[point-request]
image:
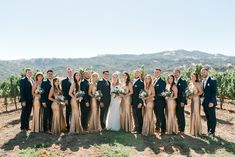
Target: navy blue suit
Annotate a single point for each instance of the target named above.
(104, 87)
(209, 94)
(160, 104)
(181, 98)
(137, 112)
(66, 83)
(27, 97)
(47, 116)
(84, 108)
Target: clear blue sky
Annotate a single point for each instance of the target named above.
(85, 28)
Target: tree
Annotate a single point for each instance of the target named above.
(4, 92)
(14, 88)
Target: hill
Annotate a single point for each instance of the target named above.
(167, 60)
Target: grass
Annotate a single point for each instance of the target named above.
(36, 151)
(114, 150)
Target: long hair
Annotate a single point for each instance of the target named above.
(128, 80)
(197, 77)
(77, 86)
(147, 85)
(56, 89)
(117, 78)
(93, 74)
(173, 82)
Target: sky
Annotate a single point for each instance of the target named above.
(86, 28)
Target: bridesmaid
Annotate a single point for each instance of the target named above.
(94, 120)
(148, 117)
(75, 125)
(37, 125)
(172, 126)
(58, 120)
(195, 120)
(126, 121)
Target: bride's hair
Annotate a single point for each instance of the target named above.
(147, 85)
(116, 77)
(173, 82)
(56, 89)
(93, 74)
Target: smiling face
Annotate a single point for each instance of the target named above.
(193, 77)
(39, 78)
(170, 79)
(77, 76)
(94, 77)
(69, 72)
(106, 75)
(86, 75)
(147, 79)
(124, 76)
(114, 78)
(49, 75)
(57, 82)
(137, 74)
(29, 73)
(157, 73)
(204, 73)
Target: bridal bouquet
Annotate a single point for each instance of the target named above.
(143, 94)
(39, 90)
(59, 98)
(80, 94)
(98, 95)
(189, 92)
(166, 93)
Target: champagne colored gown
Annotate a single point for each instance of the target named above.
(171, 125)
(75, 125)
(58, 119)
(195, 119)
(148, 118)
(94, 119)
(37, 124)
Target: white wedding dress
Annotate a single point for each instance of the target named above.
(113, 116)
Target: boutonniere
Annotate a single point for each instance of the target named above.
(179, 84)
(135, 85)
(208, 84)
(157, 84)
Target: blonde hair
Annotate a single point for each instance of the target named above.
(94, 74)
(147, 86)
(117, 78)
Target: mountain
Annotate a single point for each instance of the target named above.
(166, 60)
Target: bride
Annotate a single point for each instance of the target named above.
(113, 116)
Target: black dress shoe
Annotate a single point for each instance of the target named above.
(211, 134)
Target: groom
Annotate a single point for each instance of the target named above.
(104, 86)
(137, 103)
(209, 100)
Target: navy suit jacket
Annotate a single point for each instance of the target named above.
(159, 87)
(137, 87)
(26, 90)
(66, 83)
(181, 85)
(209, 92)
(105, 90)
(46, 86)
(85, 87)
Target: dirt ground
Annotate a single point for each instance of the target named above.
(13, 142)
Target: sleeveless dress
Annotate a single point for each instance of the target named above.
(37, 124)
(195, 119)
(171, 125)
(94, 120)
(148, 118)
(58, 119)
(126, 120)
(75, 124)
(113, 116)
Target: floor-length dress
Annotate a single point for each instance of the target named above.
(37, 123)
(75, 125)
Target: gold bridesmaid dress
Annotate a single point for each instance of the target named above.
(75, 125)
(37, 124)
(94, 119)
(171, 125)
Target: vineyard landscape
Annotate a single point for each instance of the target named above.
(222, 68)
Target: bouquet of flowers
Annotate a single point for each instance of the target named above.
(143, 94)
(80, 94)
(59, 98)
(98, 94)
(39, 90)
(189, 92)
(166, 93)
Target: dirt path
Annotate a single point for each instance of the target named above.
(16, 143)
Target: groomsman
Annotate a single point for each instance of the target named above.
(181, 100)
(66, 83)
(46, 86)
(159, 103)
(137, 103)
(104, 86)
(209, 100)
(85, 101)
(26, 99)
